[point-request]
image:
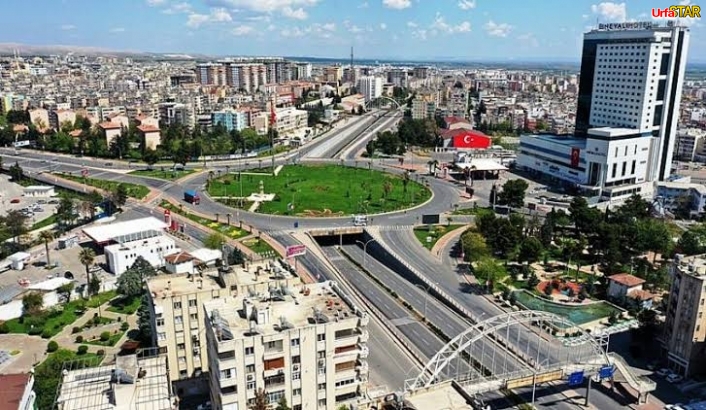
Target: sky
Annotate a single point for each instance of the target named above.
(468, 30)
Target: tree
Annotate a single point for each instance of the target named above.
(260, 402)
(16, 172)
(474, 246)
(282, 404)
(119, 195)
(370, 148)
(66, 213)
(32, 303)
(65, 290)
(513, 193)
(130, 283)
(87, 257)
(214, 241)
(236, 257)
(46, 236)
(144, 325)
(489, 271)
(52, 346)
(150, 157)
(530, 250)
(690, 243)
(15, 223)
(386, 188)
(94, 285)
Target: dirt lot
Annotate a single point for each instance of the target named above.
(32, 350)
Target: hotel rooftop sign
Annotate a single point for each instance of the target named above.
(636, 25)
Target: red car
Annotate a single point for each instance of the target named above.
(15, 201)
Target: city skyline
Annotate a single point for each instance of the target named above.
(467, 30)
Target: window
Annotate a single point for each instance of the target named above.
(322, 354)
(181, 346)
(321, 337)
(194, 316)
(161, 336)
(322, 402)
(614, 171)
(250, 368)
(632, 172)
(625, 164)
(295, 342)
(192, 303)
(296, 392)
(249, 351)
(322, 386)
(160, 322)
(178, 320)
(296, 359)
(227, 373)
(296, 376)
(250, 386)
(177, 305)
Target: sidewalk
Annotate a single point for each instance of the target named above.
(440, 245)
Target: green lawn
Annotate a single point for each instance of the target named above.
(325, 190)
(125, 306)
(436, 232)
(50, 322)
(259, 246)
(278, 149)
(44, 222)
(101, 298)
(478, 211)
(165, 173)
(230, 231)
(133, 190)
(114, 338)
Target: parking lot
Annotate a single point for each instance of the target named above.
(36, 209)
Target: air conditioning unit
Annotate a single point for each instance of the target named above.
(295, 367)
(250, 377)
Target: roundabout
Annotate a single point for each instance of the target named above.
(319, 191)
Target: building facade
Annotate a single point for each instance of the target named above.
(306, 343)
(370, 87)
(685, 327)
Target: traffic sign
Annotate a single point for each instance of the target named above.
(606, 372)
(295, 250)
(576, 378)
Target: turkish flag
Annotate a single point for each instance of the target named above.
(575, 156)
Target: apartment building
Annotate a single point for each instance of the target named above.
(176, 113)
(370, 87)
(307, 343)
(58, 117)
(333, 74)
(457, 103)
(177, 318)
(39, 117)
(230, 119)
(690, 145)
(424, 105)
(685, 327)
(289, 120)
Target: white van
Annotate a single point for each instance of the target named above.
(360, 220)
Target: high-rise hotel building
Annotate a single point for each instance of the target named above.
(628, 106)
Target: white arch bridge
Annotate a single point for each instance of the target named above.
(523, 348)
(382, 102)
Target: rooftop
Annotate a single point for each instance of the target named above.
(443, 396)
(626, 279)
(148, 128)
(13, 388)
(692, 265)
(110, 125)
(280, 308)
(133, 383)
(135, 227)
(559, 139)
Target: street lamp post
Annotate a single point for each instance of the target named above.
(365, 248)
(426, 299)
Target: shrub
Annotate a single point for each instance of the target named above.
(35, 331)
(105, 336)
(52, 346)
(75, 330)
(4, 328)
(125, 326)
(96, 320)
(100, 352)
(46, 334)
(83, 349)
(79, 339)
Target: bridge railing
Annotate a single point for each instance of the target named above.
(640, 383)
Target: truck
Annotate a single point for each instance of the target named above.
(192, 197)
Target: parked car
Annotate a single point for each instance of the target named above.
(53, 201)
(68, 275)
(41, 202)
(15, 201)
(663, 372)
(675, 378)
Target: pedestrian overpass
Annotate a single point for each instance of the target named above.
(525, 348)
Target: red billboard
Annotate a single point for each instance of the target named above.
(471, 140)
(575, 157)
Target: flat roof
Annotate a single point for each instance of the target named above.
(105, 233)
(38, 188)
(295, 306)
(482, 164)
(560, 139)
(442, 396)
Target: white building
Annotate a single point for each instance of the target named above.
(306, 343)
(370, 87)
(690, 145)
(681, 192)
(39, 191)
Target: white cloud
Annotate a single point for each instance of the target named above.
(609, 11)
(242, 30)
(265, 18)
(298, 14)
(117, 30)
(383, 26)
(467, 4)
(271, 27)
(497, 29)
(263, 6)
(68, 27)
(528, 39)
(294, 32)
(355, 29)
(441, 26)
(329, 27)
(217, 15)
(420, 34)
(154, 3)
(411, 24)
(397, 4)
(178, 8)
(363, 5)
(464, 27)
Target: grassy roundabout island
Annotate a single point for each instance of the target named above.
(325, 190)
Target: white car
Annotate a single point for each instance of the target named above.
(675, 378)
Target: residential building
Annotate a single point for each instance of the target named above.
(17, 391)
(622, 284)
(137, 382)
(685, 326)
(230, 119)
(176, 113)
(111, 131)
(424, 105)
(289, 120)
(680, 192)
(370, 87)
(150, 136)
(631, 77)
(178, 319)
(398, 77)
(211, 74)
(690, 145)
(303, 71)
(457, 104)
(307, 343)
(333, 74)
(39, 117)
(421, 73)
(58, 117)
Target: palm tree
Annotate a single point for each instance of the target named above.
(87, 257)
(405, 181)
(386, 188)
(46, 237)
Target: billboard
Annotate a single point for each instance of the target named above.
(295, 250)
(575, 157)
(471, 140)
(430, 219)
